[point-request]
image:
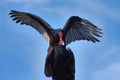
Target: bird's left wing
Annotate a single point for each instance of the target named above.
(36, 22)
(78, 28)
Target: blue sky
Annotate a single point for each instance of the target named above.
(23, 50)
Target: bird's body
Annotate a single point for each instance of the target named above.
(60, 63)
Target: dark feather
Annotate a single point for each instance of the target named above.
(30, 19)
(60, 64)
(77, 28)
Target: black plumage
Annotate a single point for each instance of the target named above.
(60, 62)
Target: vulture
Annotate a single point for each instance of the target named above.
(60, 61)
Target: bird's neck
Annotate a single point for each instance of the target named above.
(61, 42)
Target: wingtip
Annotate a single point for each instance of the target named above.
(11, 12)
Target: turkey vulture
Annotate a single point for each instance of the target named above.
(60, 62)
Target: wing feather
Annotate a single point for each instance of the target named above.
(78, 28)
(36, 22)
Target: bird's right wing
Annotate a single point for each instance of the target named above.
(36, 22)
(77, 28)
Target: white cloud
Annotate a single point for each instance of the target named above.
(81, 7)
(110, 73)
(32, 2)
(107, 53)
(99, 8)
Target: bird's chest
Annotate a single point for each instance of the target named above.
(60, 52)
(60, 57)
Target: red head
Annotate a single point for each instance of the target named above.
(61, 42)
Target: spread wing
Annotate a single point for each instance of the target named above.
(77, 28)
(36, 22)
